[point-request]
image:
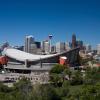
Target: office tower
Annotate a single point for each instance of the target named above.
(28, 41)
(42, 46)
(70, 44)
(50, 38)
(33, 48)
(60, 47)
(73, 41)
(98, 48)
(88, 48)
(53, 49)
(79, 44)
(38, 44)
(46, 46)
(67, 47)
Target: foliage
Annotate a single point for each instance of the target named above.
(79, 86)
(76, 78)
(57, 69)
(44, 92)
(92, 76)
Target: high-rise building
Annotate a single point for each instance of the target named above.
(67, 47)
(53, 49)
(33, 48)
(88, 48)
(79, 44)
(38, 47)
(42, 47)
(50, 38)
(60, 47)
(73, 41)
(98, 48)
(29, 40)
(45, 47)
(38, 44)
(70, 44)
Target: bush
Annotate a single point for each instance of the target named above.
(57, 69)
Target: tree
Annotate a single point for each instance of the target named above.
(44, 92)
(77, 78)
(68, 72)
(23, 88)
(92, 75)
(56, 74)
(57, 69)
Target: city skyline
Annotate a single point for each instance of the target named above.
(39, 18)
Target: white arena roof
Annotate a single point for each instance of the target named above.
(22, 56)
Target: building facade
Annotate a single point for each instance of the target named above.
(29, 40)
(80, 44)
(67, 47)
(98, 49)
(46, 46)
(60, 47)
(53, 49)
(33, 48)
(88, 48)
(74, 41)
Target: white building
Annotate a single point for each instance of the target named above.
(60, 47)
(67, 48)
(88, 48)
(46, 47)
(33, 48)
(98, 49)
(29, 40)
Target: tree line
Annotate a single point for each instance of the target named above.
(64, 84)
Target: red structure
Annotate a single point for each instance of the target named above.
(3, 60)
(63, 60)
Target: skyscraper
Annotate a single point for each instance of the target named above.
(33, 48)
(38, 44)
(50, 38)
(29, 40)
(73, 41)
(67, 47)
(53, 49)
(79, 44)
(46, 46)
(60, 47)
(88, 48)
(98, 48)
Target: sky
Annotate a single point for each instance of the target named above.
(39, 18)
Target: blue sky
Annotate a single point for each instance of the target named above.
(43, 17)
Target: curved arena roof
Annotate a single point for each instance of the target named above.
(22, 56)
